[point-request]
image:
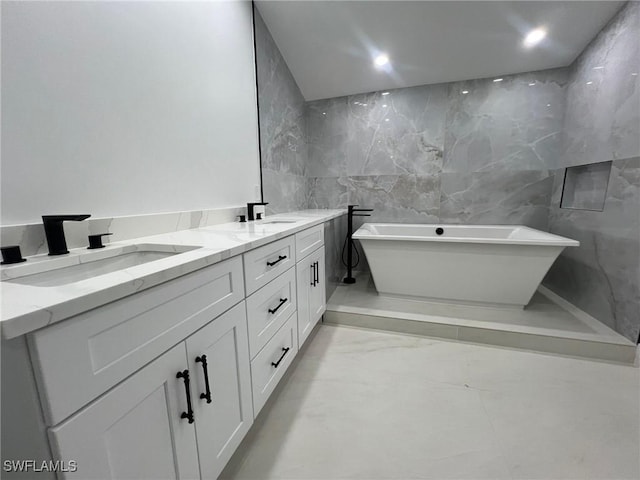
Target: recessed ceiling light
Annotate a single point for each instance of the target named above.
(324, 113)
(589, 83)
(385, 93)
(598, 68)
(384, 106)
(497, 80)
(534, 37)
(386, 119)
(464, 92)
(548, 104)
(635, 74)
(532, 84)
(381, 60)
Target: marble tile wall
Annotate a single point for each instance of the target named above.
(603, 95)
(602, 123)
(602, 275)
(282, 136)
(435, 154)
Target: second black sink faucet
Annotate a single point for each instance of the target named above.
(54, 231)
(250, 211)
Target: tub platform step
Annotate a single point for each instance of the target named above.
(548, 324)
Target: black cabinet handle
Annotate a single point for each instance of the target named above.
(189, 413)
(282, 302)
(280, 258)
(284, 352)
(313, 274)
(203, 359)
(316, 279)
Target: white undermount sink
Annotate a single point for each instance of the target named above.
(83, 265)
(278, 220)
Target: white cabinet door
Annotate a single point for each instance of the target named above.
(304, 282)
(317, 292)
(135, 430)
(224, 411)
(311, 293)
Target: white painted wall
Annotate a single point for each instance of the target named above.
(118, 108)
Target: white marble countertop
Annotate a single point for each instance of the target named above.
(26, 308)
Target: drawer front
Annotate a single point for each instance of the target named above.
(273, 360)
(265, 263)
(269, 308)
(309, 240)
(81, 358)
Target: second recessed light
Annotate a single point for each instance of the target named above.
(381, 60)
(534, 37)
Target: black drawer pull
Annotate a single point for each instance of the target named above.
(189, 413)
(280, 258)
(313, 274)
(316, 271)
(284, 352)
(203, 359)
(282, 302)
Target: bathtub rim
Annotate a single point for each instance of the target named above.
(553, 240)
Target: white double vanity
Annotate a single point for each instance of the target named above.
(164, 381)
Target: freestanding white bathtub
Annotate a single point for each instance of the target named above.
(473, 264)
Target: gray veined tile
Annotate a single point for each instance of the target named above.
(284, 192)
(328, 192)
(602, 275)
(282, 126)
(496, 198)
(508, 125)
(397, 198)
(402, 133)
(602, 118)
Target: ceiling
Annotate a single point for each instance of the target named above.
(329, 45)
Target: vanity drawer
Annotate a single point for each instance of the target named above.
(265, 263)
(269, 308)
(273, 360)
(309, 240)
(81, 358)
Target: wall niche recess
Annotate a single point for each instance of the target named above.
(585, 186)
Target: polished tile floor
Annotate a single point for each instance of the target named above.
(375, 405)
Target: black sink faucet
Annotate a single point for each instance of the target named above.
(54, 231)
(250, 213)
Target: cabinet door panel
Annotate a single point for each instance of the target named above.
(222, 423)
(317, 293)
(304, 280)
(135, 429)
(311, 293)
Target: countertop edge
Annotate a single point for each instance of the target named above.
(37, 316)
